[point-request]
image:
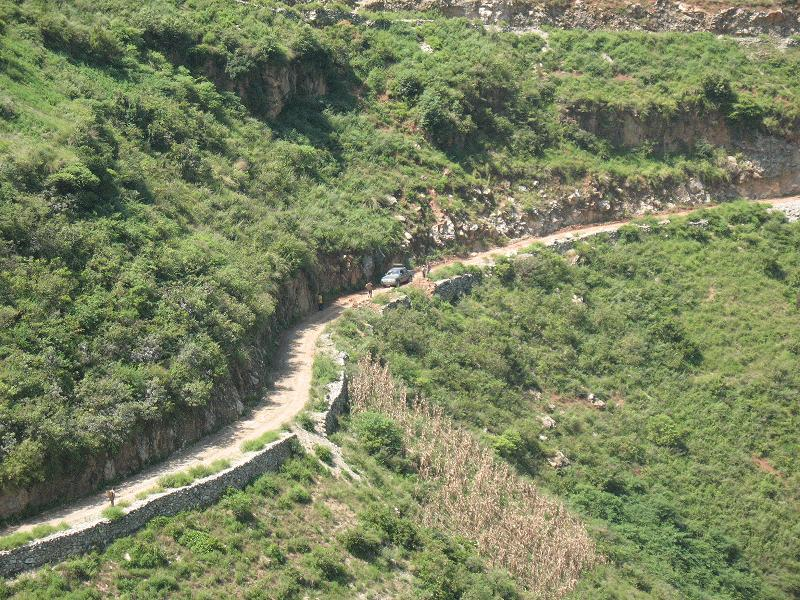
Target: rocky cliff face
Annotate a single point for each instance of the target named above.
(268, 89)
(678, 132)
(265, 87)
(758, 166)
(660, 15)
(156, 440)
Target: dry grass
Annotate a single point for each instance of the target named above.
(477, 496)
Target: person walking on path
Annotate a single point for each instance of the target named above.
(111, 496)
(426, 270)
(319, 301)
(369, 288)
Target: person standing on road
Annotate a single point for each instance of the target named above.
(319, 301)
(426, 270)
(369, 287)
(111, 496)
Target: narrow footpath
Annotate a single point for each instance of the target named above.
(291, 379)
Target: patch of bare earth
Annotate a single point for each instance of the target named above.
(764, 465)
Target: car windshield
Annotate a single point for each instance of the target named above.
(395, 271)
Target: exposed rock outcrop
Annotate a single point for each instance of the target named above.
(268, 89)
(401, 301)
(454, 287)
(661, 15)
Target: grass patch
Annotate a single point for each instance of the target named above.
(184, 478)
(260, 442)
(324, 370)
(15, 540)
(324, 454)
(156, 489)
(452, 270)
(115, 512)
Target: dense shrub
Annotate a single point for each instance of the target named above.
(145, 555)
(326, 563)
(380, 436)
(361, 542)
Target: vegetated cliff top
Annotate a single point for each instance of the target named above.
(166, 169)
(771, 17)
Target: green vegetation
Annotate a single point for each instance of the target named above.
(324, 453)
(273, 540)
(150, 216)
(14, 540)
(379, 436)
(324, 370)
(112, 513)
(306, 421)
(668, 361)
(457, 268)
(260, 442)
(184, 478)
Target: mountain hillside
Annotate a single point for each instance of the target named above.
(648, 380)
(179, 180)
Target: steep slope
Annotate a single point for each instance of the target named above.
(178, 182)
(649, 380)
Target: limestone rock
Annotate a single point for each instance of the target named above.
(558, 460)
(547, 421)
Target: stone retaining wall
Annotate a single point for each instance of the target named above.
(336, 401)
(454, 287)
(338, 404)
(402, 301)
(200, 493)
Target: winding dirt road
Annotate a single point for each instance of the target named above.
(291, 378)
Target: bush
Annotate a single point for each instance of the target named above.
(275, 554)
(297, 494)
(717, 88)
(240, 504)
(399, 530)
(508, 444)
(379, 435)
(306, 422)
(8, 109)
(362, 542)
(144, 555)
(298, 546)
(324, 454)
(406, 86)
(327, 564)
(301, 469)
(662, 430)
(200, 542)
(73, 179)
(266, 485)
